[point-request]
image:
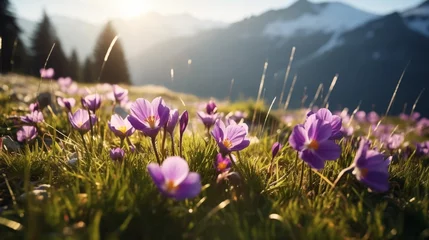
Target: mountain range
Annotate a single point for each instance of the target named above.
(137, 34)
(369, 53)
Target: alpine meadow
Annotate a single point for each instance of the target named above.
(250, 119)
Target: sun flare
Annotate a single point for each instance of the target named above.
(133, 8)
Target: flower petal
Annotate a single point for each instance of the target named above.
(298, 138)
(312, 159)
(175, 169)
(328, 150)
(156, 174)
(190, 187)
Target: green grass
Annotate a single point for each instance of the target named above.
(101, 199)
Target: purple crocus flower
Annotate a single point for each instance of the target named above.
(122, 128)
(422, 149)
(80, 120)
(92, 102)
(275, 149)
(312, 140)
(208, 119)
(33, 117)
(34, 107)
(47, 73)
(26, 133)
(415, 116)
(334, 120)
(371, 167)
(172, 121)
(360, 116)
(222, 163)
(393, 141)
(67, 103)
(230, 138)
(149, 117)
(174, 180)
(373, 117)
(211, 107)
(117, 154)
(120, 94)
(64, 83)
(183, 122)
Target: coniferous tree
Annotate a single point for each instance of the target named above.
(12, 51)
(43, 39)
(88, 71)
(115, 69)
(74, 67)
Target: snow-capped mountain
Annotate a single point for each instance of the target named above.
(136, 34)
(322, 17)
(369, 52)
(418, 18)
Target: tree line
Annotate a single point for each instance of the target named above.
(17, 58)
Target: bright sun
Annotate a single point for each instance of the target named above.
(132, 8)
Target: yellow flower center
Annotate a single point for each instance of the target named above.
(222, 166)
(313, 145)
(170, 186)
(151, 121)
(122, 129)
(227, 143)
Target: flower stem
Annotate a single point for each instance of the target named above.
(180, 146)
(122, 142)
(164, 136)
(310, 176)
(156, 152)
(172, 144)
(302, 175)
(232, 161)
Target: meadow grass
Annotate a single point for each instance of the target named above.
(97, 198)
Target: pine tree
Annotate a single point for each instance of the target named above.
(43, 39)
(115, 69)
(74, 67)
(12, 52)
(87, 72)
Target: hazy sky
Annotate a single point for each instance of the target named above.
(220, 10)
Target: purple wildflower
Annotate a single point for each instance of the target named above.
(64, 83)
(80, 120)
(334, 120)
(360, 116)
(183, 122)
(211, 107)
(312, 140)
(120, 94)
(222, 163)
(208, 119)
(47, 73)
(394, 141)
(371, 168)
(67, 103)
(117, 154)
(373, 117)
(149, 117)
(34, 107)
(122, 128)
(33, 117)
(275, 149)
(26, 133)
(230, 138)
(91, 102)
(422, 148)
(174, 180)
(172, 121)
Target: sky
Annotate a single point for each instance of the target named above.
(97, 11)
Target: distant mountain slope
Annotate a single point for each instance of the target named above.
(369, 53)
(137, 34)
(240, 50)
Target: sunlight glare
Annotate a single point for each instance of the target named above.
(133, 8)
